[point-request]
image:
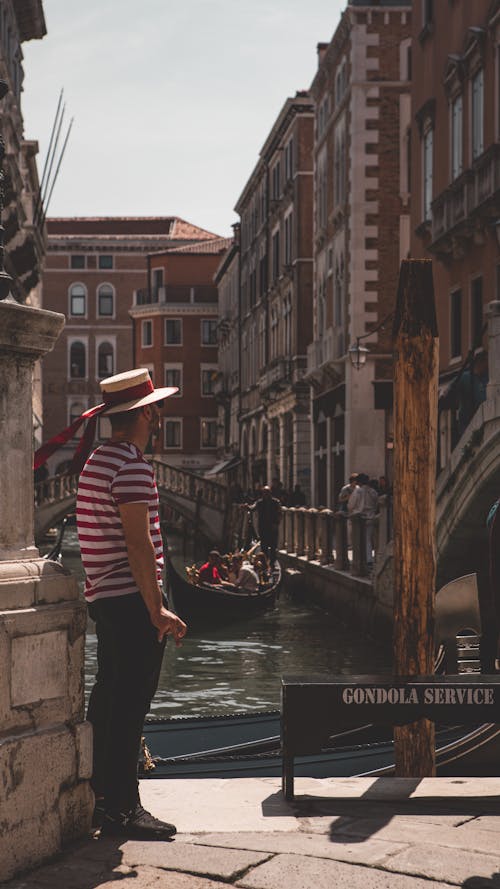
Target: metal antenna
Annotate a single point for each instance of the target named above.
(47, 156)
(51, 163)
(56, 174)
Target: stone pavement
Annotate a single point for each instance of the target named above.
(349, 833)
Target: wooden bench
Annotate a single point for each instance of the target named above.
(316, 707)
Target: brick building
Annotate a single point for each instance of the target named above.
(455, 184)
(275, 314)
(361, 232)
(93, 268)
(175, 322)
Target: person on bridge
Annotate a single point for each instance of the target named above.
(122, 554)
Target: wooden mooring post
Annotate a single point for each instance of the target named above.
(415, 440)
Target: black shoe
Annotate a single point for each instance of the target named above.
(136, 825)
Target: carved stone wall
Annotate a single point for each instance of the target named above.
(45, 744)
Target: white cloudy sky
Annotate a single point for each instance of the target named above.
(172, 99)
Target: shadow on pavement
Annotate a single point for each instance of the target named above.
(482, 882)
(376, 807)
(86, 865)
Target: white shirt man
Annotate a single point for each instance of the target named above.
(247, 578)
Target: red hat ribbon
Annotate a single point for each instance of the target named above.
(111, 399)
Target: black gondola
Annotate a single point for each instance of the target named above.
(193, 601)
(248, 745)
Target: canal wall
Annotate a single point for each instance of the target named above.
(356, 600)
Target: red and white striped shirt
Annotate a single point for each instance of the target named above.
(115, 473)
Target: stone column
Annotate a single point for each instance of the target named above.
(312, 545)
(300, 517)
(358, 566)
(287, 536)
(45, 745)
(341, 551)
(325, 517)
(493, 316)
(302, 451)
(271, 449)
(294, 545)
(281, 463)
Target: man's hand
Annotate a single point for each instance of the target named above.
(168, 624)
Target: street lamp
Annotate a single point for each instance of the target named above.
(358, 353)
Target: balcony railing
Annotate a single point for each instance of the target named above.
(276, 376)
(456, 210)
(145, 297)
(324, 351)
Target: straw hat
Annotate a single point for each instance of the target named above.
(123, 392)
(131, 389)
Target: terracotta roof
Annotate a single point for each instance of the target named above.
(184, 230)
(170, 226)
(30, 19)
(217, 245)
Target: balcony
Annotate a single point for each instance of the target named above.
(329, 349)
(146, 297)
(469, 202)
(276, 378)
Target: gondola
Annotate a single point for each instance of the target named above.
(204, 602)
(248, 746)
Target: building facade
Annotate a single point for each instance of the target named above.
(361, 232)
(275, 312)
(227, 385)
(93, 268)
(175, 320)
(24, 238)
(456, 189)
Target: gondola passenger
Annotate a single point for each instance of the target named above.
(246, 578)
(209, 572)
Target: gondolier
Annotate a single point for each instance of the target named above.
(268, 509)
(122, 554)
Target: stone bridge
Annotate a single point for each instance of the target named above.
(202, 502)
(466, 489)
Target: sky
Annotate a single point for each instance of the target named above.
(172, 99)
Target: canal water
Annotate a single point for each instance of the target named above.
(238, 666)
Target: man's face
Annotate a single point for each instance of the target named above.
(155, 419)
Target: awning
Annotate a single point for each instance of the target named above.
(224, 466)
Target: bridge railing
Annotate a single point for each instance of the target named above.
(326, 537)
(190, 486)
(55, 488)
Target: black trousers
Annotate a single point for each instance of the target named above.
(129, 660)
(269, 543)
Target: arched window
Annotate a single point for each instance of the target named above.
(105, 360)
(77, 361)
(105, 301)
(77, 300)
